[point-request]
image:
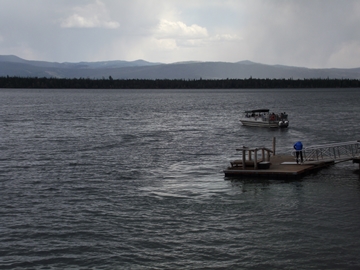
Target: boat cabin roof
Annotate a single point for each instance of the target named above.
(258, 111)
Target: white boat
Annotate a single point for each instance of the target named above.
(264, 118)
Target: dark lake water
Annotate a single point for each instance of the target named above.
(133, 179)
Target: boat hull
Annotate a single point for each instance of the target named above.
(267, 124)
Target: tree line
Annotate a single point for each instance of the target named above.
(110, 83)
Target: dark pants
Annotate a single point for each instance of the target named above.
(299, 153)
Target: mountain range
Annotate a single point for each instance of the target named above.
(12, 66)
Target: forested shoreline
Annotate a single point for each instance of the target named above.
(110, 83)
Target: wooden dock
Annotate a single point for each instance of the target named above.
(280, 167)
(263, 163)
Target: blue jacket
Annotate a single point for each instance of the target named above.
(298, 146)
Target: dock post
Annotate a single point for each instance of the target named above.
(255, 159)
(274, 145)
(243, 158)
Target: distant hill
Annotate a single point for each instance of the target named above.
(11, 65)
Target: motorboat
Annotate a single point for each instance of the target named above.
(264, 118)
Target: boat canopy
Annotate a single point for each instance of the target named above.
(258, 111)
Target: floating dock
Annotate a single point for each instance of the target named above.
(279, 167)
(263, 163)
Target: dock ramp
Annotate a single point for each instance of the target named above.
(337, 152)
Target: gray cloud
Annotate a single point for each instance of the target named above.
(309, 33)
(90, 16)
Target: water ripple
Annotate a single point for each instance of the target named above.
(133, 180)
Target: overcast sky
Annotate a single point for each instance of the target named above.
(306, 33)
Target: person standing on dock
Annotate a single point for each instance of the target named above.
(298, 146)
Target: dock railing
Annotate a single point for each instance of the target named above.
(334, 151)
(252, 156)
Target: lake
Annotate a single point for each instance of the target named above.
(133, 179)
